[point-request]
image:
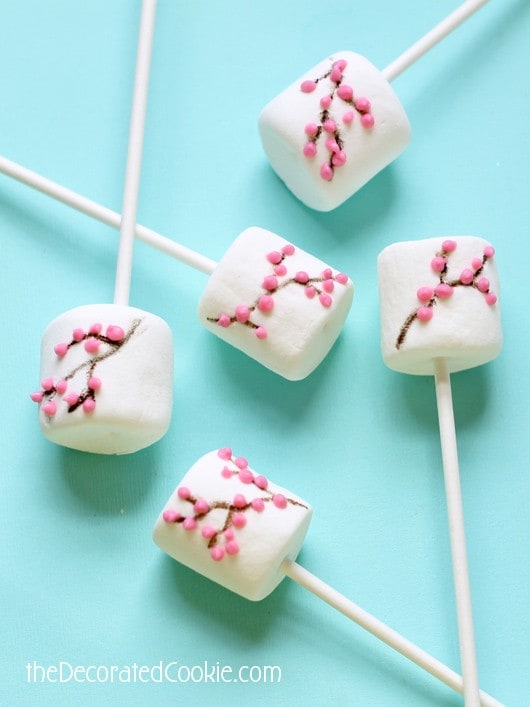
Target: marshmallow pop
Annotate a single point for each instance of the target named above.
(439, 315)
(239, 529)
(341, 123)
(274, 301)
(107, 369)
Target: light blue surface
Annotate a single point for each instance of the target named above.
(81, 580)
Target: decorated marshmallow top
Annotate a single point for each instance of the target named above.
(439, 299)
(232, 525)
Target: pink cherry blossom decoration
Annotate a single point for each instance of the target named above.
(50, 408)
(94, 383)
(115, 333)
(483, 284)
(265, 303)
(424, 314)
(61, 386)
(242, 313)
(302, 277)
(92, 345)
(466, 276)
(189, 524)
(208, 531)
(261, 482)
(89, 405)
(325, 300)
(326, 172)
(345, 92)
(61, 349)
(201, 506)
(449, 246)
(367, 120)
(170, 515)
(443, 290)
(279, 500)
(261, 333)
(258, 505)
(310, 149)
(183, 492)
(225, 453)
(37, 397)
(231, 547)
(224, 320)
(47, 384)
(239, 501)
(239, 520)
(425, 294)
(438, 263)
(217, 553)
(308, 86)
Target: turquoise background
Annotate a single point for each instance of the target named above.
(81, 580)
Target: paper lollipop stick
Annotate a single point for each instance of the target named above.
(239, 529)
(439, 314)
(247, 299)
(335, 128)
(107, 369)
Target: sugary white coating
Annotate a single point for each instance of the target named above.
(439, 299)
(277, 303)
(242, 532)
(111, 388)
(370, 130)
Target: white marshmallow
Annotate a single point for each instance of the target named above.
(282, 126)
(299, 330)
(450, 318)
(134, 364)
(245, 529)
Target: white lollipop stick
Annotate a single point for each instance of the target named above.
(134, 154)
(456, 531)
(105, 215)
(382, 631)
(428, 41)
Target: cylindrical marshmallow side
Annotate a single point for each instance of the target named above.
(252, 527)
(438, 298)
(366, 149)
(111, 372)
(303, 321)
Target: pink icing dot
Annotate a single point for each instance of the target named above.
(201, 506)
(310, 291)
(189, 524)
(348, 117)
(288, 249)
(229, 534)
(342, 278)
(307, 86)
(50, 408)
(94, 383)
(279, 500)
(329, 125)
(339, 159)
(61, 386)
(326, 172)
(61, 349)
(89, 405)
(37, 397)
(241, 462)
(217, 553)
(476, 263)
(71, 398)
(261, 333)
(95, 328)
(491, 298)
(362, 104)
(302, 277)
(274, 257)
(332, 145)
(310, 149)
(208, 531)
(227, 473)
(367, 120)
(483, 284)
(246, 476)
(115, 333)
(425, 294)
(449, 246)
(91, 345)
(224, 320)
(270, 283)
(183, 492)
(466, 276)
(242, 313)
(325, 300)
(345, 92)
(170, 516)
(225, 453)
(489, 251)
(328, 285)
(443, 290)
(47, 384)
(336, 74)
(325, 102)
(261, 482)
(280, 270)
(311, 129)
(78, 335)
(239, 501)
(265, 303)
(327, 273)
(258, 505)
(424, 314)
(231, 547)
(341, 64)
(239, 520)
(438, 263)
